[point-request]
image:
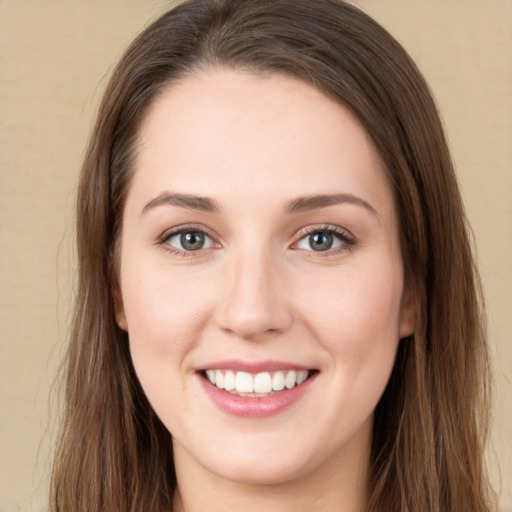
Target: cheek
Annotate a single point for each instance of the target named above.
(355, 315)
(358, 325)
(352, 301)
(163, 313)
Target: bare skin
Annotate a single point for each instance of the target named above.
(294, 258)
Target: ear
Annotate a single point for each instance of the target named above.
(119, 307)
(407, 312)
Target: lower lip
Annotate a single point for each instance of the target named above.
(255, 407)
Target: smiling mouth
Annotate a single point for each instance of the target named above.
(256, 385)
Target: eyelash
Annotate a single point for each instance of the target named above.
(191, 228)
(346, 239)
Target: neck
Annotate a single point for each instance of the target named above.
(339, 485)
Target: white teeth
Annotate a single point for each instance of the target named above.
(263, 383)
(290, 379)
(278, 381)
(244, 382)
(229, 381)
(301, 376)
(219, 379)
(211, 375)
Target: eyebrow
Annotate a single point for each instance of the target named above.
(301, 204)
(204, 204)
(317, 202)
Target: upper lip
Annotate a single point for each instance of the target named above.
(253, 366)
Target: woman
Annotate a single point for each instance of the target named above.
(277, 305)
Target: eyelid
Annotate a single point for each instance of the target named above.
(348, 240)
(196, 228)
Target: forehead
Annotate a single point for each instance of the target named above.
(223, 131)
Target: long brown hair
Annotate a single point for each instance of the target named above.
(431, 423)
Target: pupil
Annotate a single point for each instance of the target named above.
(192, 241)
(321, 241)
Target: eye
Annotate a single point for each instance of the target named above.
(189, 240)
(322, 240)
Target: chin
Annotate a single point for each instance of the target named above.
(266, 462)
(262, 473)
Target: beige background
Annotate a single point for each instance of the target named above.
(54, 59)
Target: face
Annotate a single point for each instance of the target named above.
(261, 280)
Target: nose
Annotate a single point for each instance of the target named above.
(255, 301)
